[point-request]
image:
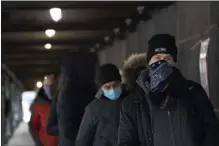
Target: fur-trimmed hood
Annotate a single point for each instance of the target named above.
(132, 68)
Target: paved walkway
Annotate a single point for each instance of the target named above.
(21, 137)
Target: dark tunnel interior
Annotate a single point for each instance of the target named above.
(36, 36)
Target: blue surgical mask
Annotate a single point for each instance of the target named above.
(113, 94)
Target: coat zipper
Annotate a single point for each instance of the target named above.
(171, 128)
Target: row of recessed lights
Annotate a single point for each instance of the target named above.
(128, 21)
(56, 15)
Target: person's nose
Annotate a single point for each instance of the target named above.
(162, 59)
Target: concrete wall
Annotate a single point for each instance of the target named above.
(213, 68)
(185, 20)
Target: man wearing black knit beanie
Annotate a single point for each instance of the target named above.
(100, 123)
(166, 109)
(162, 47)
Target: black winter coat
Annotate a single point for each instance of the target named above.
(136, 120)
(77, 92)
(100, 123)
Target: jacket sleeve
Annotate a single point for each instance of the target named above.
(52, 123)
(208, 116)
(87, 128)
(127, 134)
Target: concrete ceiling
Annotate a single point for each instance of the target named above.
(82, 26)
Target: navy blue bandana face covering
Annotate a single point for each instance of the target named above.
(159, 73)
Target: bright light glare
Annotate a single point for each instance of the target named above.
(45, 77)
(39, 84)
(56, 14)
(26, 112)
(48, 46)
(27, 99)
(203, 55)
(50, 32)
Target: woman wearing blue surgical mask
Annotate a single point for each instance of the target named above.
(99, 126)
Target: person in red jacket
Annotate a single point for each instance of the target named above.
(40, 112)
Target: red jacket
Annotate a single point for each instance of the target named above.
(39, 121)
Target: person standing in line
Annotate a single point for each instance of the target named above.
(99, 126)
(165, 109)
(40, 110)
(78, 90)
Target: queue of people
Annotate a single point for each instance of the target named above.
(150, 103)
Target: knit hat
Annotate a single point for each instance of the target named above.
(107, 73)
(162, 43)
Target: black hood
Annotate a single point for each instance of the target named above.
(79, 68)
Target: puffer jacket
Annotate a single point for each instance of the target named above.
(99, 126)
(77, 92)
(193, 124)
(39, 118)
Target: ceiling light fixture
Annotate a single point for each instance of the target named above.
(50, 32)
(92, 50)
(97, 45)
(140, 9)
(128, 21)
(116, 30)
(106, 38)
(39, 84)
(47, 46)
(56, 14)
